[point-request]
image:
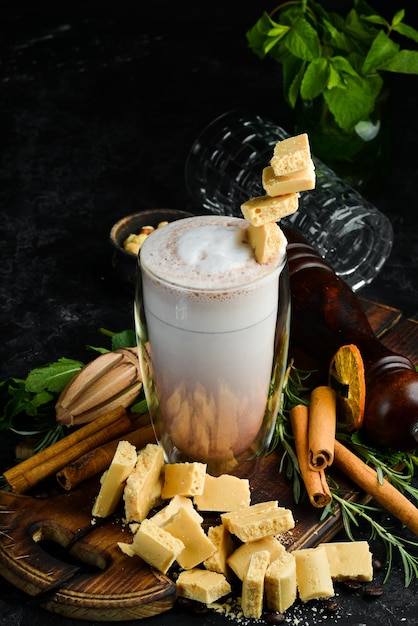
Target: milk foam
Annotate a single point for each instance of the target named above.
(204, 252)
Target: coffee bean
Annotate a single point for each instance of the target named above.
(332, 606)
(352, 585)
(377, 564)
(184, 603)
(200, 608)
(275, 618)
(373, 591)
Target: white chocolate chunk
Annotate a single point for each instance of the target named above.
(313, 574)
(267, 241)
(202, 585)
(349, 560)
(224, 546)
(126, 548)
(113, 481)
(253, 584)
(291, 155)
(164, 515)
(183, 479)
(264, 209)
(258, 521)
(289, 183)
(156, 546)
(143, 486)
(197, 546)
(223, 493)
(280, 582)
(239, 560)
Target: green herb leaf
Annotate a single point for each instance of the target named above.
(315, 79)
(351, 104)
(303, 42)
(306, 32)
(406, 62)
(259, 34)
(293, 72)
(124, 339)
(52, 377)
(406, 31)
(381, 51)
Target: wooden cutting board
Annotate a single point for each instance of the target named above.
(50, 549)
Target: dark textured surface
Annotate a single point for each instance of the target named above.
(97, 117)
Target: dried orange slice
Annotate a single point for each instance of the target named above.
(346, 377)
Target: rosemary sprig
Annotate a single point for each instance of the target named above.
(397, 467)
(351, 511)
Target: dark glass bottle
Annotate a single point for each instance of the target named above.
(326, 314)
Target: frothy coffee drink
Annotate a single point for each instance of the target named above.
(210, 316)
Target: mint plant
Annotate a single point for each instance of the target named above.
(343, 59)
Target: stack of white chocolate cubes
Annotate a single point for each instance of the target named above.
(291, 171)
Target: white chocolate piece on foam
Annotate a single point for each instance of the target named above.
(268, 241)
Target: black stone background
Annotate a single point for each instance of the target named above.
(98, 110)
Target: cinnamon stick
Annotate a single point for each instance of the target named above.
(322, 427)
(315, 480)
(384, 493)
(99, 459)
(44, 464)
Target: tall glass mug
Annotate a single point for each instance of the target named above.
(224, 169)
(213, 332)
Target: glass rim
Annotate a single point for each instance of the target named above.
(271, 269)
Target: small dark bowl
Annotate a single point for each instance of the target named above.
(124, 263)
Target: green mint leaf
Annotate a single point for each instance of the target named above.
(398, 17)
(406, 31)
(257, 35)
(52, 377)
(124, 339)
(404, 62)
(376, 19)
(315, 79)
(381, 51)
(335, 79)
(293, 71)
(302, 41)
(343, 65)
(350, 105)
(41, 398)
(336, 38)
(98, 349)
